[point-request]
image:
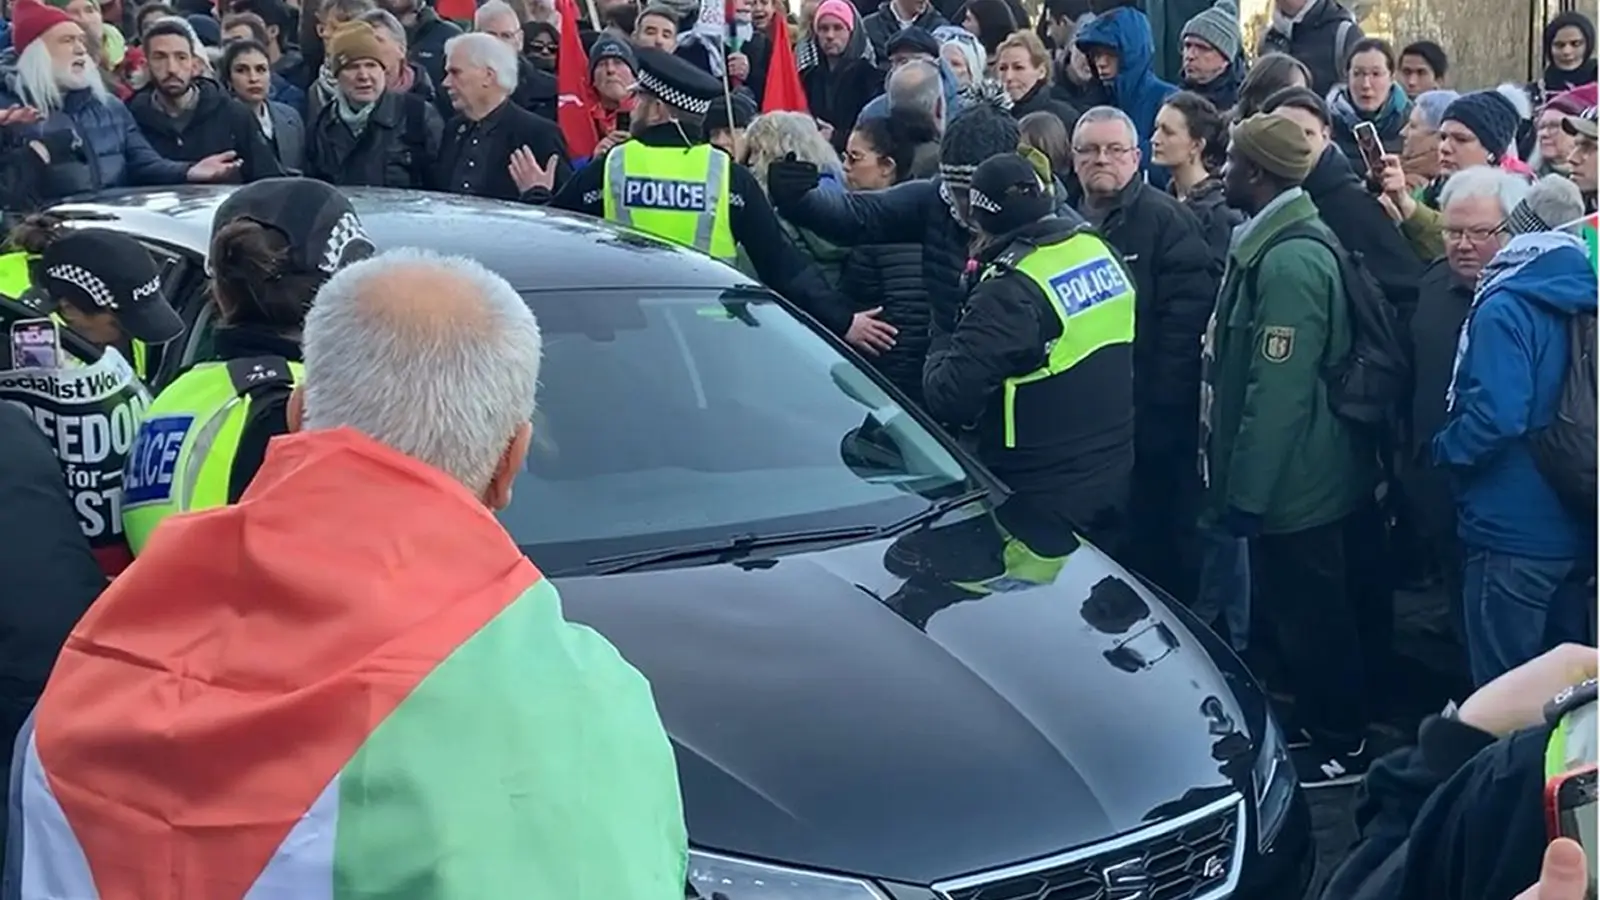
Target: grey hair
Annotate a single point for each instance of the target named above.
(1555, 200)
(772, 135)
(1432, 104)
(488, 51)
(384, 20)
(1105, 114)
(1492, 182)
(918, 86)
(449, 390)
(493, 9)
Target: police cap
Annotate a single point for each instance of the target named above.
(675, 81)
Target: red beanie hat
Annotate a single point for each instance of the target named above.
(30, 19)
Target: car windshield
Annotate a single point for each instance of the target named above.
(684, 416)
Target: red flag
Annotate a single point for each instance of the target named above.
(574, 91)
(783, 91)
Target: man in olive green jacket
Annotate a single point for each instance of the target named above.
(1281, 468)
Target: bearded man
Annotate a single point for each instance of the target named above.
(56, 90)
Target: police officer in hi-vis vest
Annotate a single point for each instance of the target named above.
(273, 243)
(667, 184)
(100, 284)
(1037, 375)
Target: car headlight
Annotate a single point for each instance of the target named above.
(1275, 784)
(712, 875)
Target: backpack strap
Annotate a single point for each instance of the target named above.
(1341, 41)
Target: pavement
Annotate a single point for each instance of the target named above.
(1429, 670)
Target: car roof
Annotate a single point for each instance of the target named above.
(533, 248)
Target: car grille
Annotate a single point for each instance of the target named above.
(1194, 857)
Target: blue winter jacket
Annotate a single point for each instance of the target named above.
(1508, 375)
(117, 151)
(1135, 89)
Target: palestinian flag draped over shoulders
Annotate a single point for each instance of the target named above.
(351, 684)
(1589, 230)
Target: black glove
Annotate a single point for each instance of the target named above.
(789, 179)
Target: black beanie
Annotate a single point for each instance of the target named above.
(1007, 194)
(981, 130)
(1489, 116)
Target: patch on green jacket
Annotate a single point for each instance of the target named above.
(1277, 343)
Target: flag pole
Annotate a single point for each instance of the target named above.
(594, 15)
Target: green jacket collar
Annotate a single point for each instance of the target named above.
(1283, 212)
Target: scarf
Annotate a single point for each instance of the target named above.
(354, 119)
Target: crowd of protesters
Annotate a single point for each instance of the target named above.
(1356, 283)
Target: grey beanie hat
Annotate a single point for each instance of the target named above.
(981, 130)
(1218, 26)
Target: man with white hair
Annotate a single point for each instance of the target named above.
(57, 101)
(1475, 203)
(489, 144)
(535, 89)
(1527, 554)
(354, 674)
(1155, 233)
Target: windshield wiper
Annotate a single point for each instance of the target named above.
(741, 545)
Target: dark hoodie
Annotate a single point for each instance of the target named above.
(838, 89)
(1390, 118)
(215, 124)
(1555, 80)
(1135, 89)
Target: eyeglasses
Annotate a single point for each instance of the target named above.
(1477, 235)
(856, 157)
(541, 47)
(1109, 151)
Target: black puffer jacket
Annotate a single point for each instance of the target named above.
(890, 276)
(1176, 275)
(217, 123)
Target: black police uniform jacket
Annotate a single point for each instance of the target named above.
(1077, 425)
(473, 157)
(217, 123)
(778, 263)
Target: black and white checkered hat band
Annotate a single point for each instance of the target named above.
(346, 232)
(672, 96)
(980, 200)
(84, 280)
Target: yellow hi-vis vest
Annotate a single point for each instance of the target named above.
(15, 281)
(182, 456)
(679, 194)
(1091, 293)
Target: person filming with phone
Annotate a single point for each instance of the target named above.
(1495, 801)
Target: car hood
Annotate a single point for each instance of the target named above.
(830, 714)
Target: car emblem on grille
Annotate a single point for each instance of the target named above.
(1214, 867)
(1127, 880)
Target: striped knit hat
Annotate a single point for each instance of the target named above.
(981, 130)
